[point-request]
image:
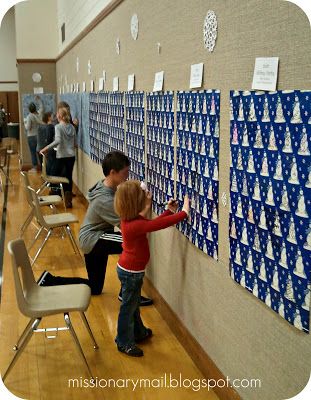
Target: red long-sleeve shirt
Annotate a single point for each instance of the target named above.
(135, 254)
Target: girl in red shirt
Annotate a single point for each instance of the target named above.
(132, 204)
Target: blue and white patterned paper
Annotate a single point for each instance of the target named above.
(48, 100)
(84, 136)
(135, 134)
(103, 124)
(197, 165)
(160, 147)
(270, 178)
(116, 102)
(93, 128)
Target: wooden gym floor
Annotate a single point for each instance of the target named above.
(46, 365)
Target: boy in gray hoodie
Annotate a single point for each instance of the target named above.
(97, 236)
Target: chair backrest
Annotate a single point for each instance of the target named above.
(36, 205)
(3, 157)
(25, 178)
(25, 282)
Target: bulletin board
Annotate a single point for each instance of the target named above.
(93, 128)
(48, 100)
(116, 103)
(197, 165)
(160, 147)
(135, 134)
(270, 190)
(103, 124)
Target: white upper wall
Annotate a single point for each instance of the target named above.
(8, 70)
(36, 29)
(76, 14)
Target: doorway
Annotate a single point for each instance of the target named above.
(10, 104)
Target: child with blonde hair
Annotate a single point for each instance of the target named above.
(65, 142)
(132, 203)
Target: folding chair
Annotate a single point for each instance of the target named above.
(50, 222)
(50, 201)
(36, 302)
(49, 180)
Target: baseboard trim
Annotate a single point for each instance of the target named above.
(205, 364)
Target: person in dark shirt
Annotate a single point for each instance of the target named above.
(46, 135)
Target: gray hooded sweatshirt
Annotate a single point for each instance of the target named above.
(65, 138)
(100, 216)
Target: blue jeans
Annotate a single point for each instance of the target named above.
(130, 325)
(32, 143)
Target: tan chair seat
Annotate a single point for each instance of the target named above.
(49, 200)
(49, 300)
(55, 179)
(62, 219)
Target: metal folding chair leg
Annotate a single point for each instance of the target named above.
(27, 335)
(76, 340)
(36, 238)
(42, 187)
(73, 241)
(42, 246)
(22, 336)
(27, 222)
(86, 323)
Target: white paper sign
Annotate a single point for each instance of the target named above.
(83, 87)
(77, 64)
(37, 90)
(265, 73)
(158, 81)
(89, 67)
(92, 86)
(101, 84)
(115, 85)
(196, 75)
(130, 82)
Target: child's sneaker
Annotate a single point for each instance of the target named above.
(132, 351)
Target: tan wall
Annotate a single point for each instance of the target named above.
(76, 14)
(243, 336)
(36, 29)
(8, 70)
(26, 85)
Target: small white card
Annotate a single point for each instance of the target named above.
(77, 64)
(265, 73)
(130, 82)
(101, 84)
(38, 90)
(115, 86)
(92, 86)
(196, 75)
(89, 67)
(158, 81)
(83, 87)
